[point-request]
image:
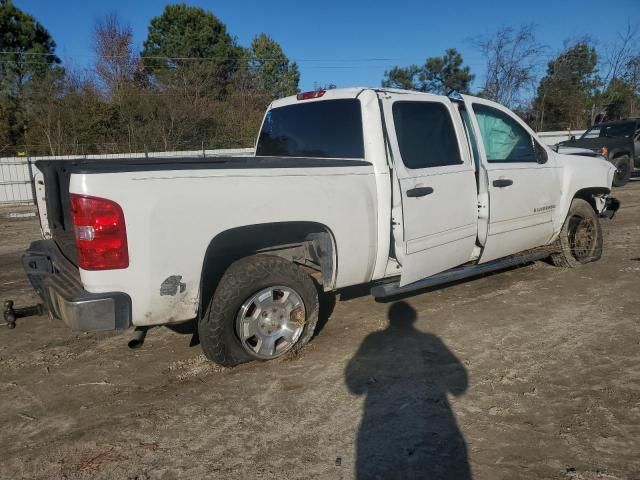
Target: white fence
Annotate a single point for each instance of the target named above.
(15, 178)
(15, 181)
(551, 138)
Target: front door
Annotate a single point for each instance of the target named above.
(435, 183)
(523, 182)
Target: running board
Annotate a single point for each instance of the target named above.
(458, 273)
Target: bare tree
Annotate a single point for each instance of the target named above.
(116, 63)
(618, 85)
(119, 69)
(632, 76)
(514, 60)
(618, 54)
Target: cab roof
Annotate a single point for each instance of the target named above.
(616, 122)
(340, 93)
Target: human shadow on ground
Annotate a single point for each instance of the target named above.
(408, 430)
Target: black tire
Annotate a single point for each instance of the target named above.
(217, 327)
(580, 239)
(623, 171)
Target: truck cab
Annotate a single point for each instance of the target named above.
(473, 181)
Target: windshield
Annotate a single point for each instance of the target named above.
(593, 132)
(326, 129)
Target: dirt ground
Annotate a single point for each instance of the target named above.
(531, 373)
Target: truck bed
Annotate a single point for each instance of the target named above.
(175, 208)
(57, 174)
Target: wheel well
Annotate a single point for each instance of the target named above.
(308, 244)
(622, 153)
(587, 194)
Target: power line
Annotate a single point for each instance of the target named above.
(333, 64)
(220, 57)
(168, 67)
(224, 57)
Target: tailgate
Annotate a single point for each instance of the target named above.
(57, 203)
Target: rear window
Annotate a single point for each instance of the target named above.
(326, 129)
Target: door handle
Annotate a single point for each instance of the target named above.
(419, 192)
(502, 182)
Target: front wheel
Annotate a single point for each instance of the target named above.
(623, 171)
(264, 307)
(580, 239)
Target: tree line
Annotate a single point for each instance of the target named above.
(192, 85)
(580, 86)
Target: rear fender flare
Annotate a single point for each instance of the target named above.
(297, 241)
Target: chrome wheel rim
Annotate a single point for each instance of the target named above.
(270, 322)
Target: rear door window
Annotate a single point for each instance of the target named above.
(426, 136)
(620, 130)
(325, 129)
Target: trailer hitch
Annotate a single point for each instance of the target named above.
(12, 314)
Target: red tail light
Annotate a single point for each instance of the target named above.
(310, 95)
(101, 236)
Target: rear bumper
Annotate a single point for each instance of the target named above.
(57, 281)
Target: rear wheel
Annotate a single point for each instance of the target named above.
(623, 171)
(264, 307)
(580, 239)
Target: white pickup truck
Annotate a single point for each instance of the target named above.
(398, 189)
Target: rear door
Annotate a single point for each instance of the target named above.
(523, 182)
(435, 182)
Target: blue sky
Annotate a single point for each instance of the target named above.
(333, 41)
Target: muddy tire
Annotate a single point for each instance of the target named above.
(623, 171)
(263, 308)
(580, 239)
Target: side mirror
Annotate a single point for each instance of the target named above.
(541, 153)
(572, 138)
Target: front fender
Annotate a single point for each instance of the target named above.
(581, 176)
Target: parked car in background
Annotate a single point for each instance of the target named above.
(618, 142)
(398, 189)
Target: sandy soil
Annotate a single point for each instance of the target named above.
(532, 373)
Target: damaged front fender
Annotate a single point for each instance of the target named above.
(609, 207)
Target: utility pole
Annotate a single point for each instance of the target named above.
(634, 80)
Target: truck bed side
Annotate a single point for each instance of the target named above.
(174, 211)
